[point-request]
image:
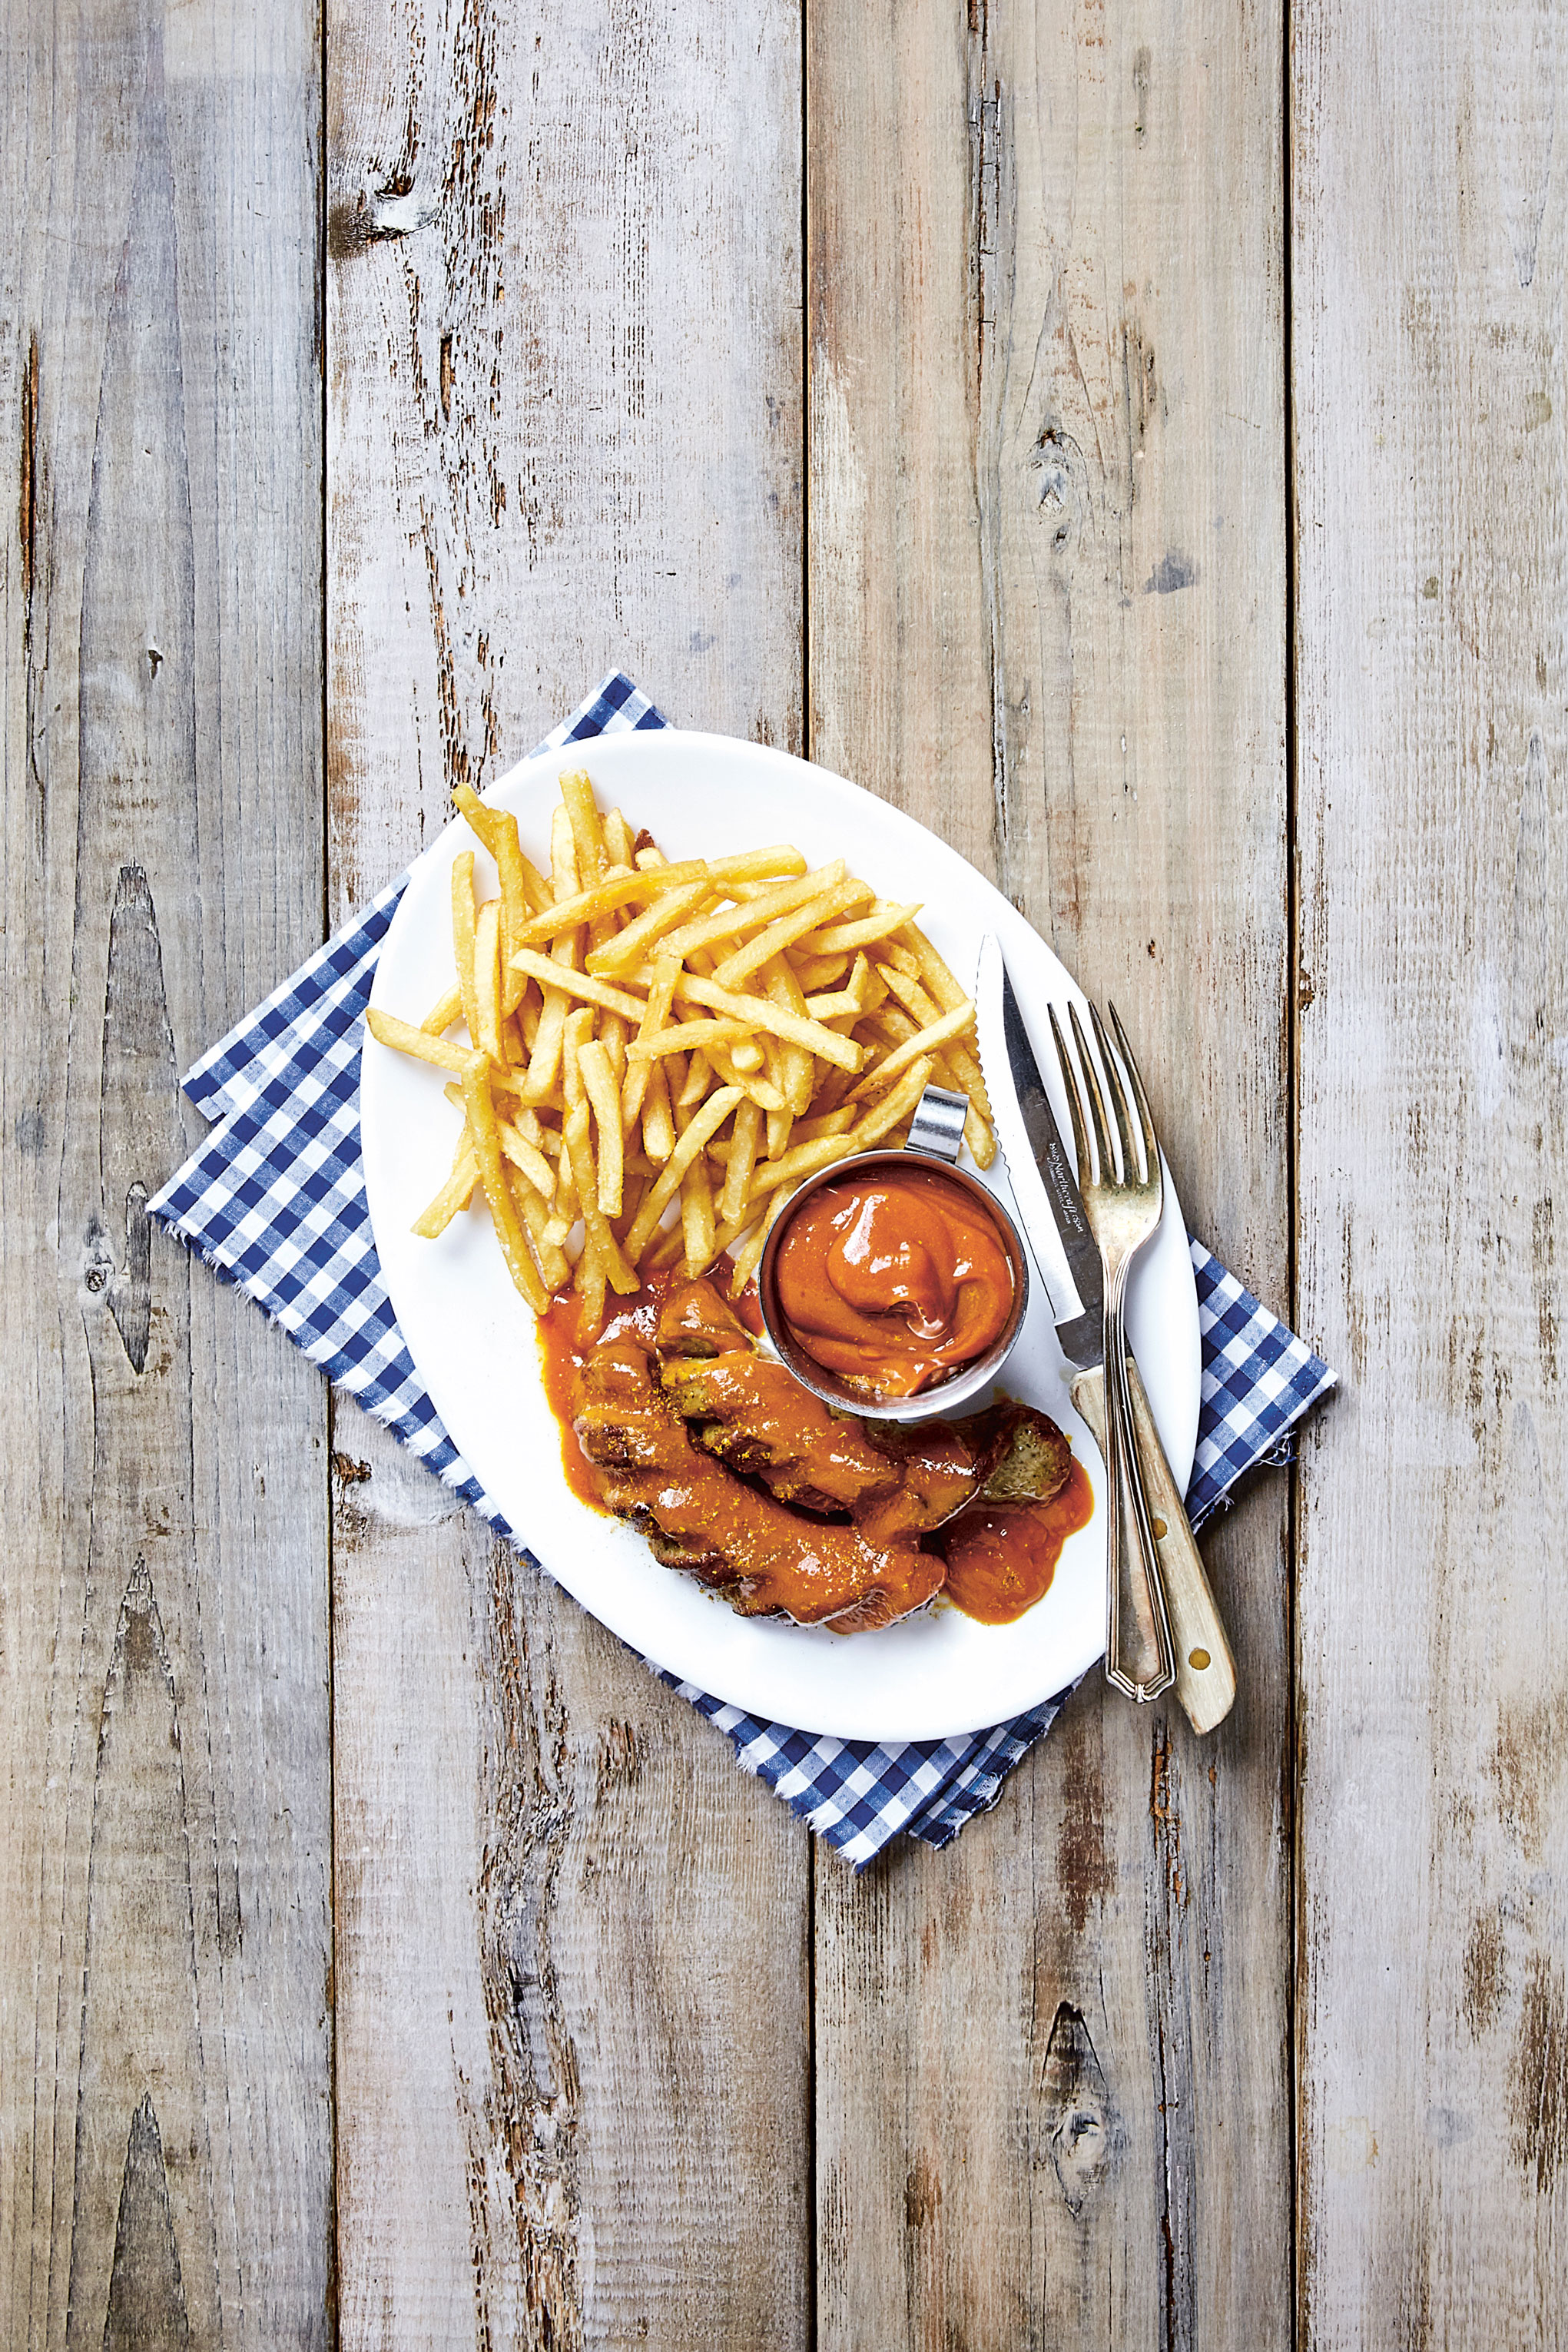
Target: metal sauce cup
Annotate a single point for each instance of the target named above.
(935, 1133)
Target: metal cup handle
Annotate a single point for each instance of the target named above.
(938, 1127)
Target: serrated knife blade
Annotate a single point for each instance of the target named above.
(1039, 1169)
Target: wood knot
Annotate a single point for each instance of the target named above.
(397, 209)
(1080, 2123)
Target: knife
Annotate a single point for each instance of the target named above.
(1045, 1188)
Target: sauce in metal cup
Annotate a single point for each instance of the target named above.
(900, 1248)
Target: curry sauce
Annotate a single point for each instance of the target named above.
(893, 1280)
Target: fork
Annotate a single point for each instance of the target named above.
(1124, 1192)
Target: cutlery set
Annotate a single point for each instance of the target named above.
(1162, 1628)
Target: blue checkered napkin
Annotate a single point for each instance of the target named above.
(275, 1199)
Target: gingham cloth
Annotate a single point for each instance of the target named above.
(275, 1199)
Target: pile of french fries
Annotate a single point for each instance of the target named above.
(641, 1034)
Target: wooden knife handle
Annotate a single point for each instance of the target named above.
(1204, 1668)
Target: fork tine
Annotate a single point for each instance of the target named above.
(1117, 1092)
(1151, 1148)
(1107, 1174)
(1069, 1080)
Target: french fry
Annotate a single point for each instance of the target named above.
(509, 1231)
(893, 1108)
(732, 1229)
(685, 1036)
(912, 994)
(528, 1160)
(487, 977)
(747, 914)
(757, 1012)
(750, 1257)
(830, 1091)
(521, 890)
(749, 869)
(968, 1070)
(933, 971)
(498, 829)
(544, 1062)
(553, 1263)
(655, 1016)
(463, 938)
(883, 919)
(612, 1037)
(582, 809)
(666, 1249)
(742, 1158)
(604, 1097)
(658, 1125)
(644, 935)
(923, 1042)
(443, 1012)
(588, 1281)
(532, 1127)
(697, 1219)
(563, 1207)
(779, 1123)
(761, 1091)
(790, 927)
(578, 1028)
(876, 992)
(620, 845)
(563, 874)
(581, 984)
(621, 1276)
(699, 1078)
(801, 1160)
(517, 1144)
(706, 1123)
(405, 1038)
(455, 1194)
(959, 1068)
(618, 889)
(832, 1122)
(818, 971)
(796, 1073)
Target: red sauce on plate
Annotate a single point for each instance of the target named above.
(1001, 1557)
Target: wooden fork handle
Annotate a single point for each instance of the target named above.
(1204, 1668)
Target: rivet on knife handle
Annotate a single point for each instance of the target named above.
(1204, 1668)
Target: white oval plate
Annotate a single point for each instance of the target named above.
(934, 1676)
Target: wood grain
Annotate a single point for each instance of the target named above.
(1429, 276)
(1047, 597)
(165, 2142)
(565, 434)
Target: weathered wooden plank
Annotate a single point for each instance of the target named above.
(163, 1761)
(1047, 598)
(565, 434)
(1429, 276)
